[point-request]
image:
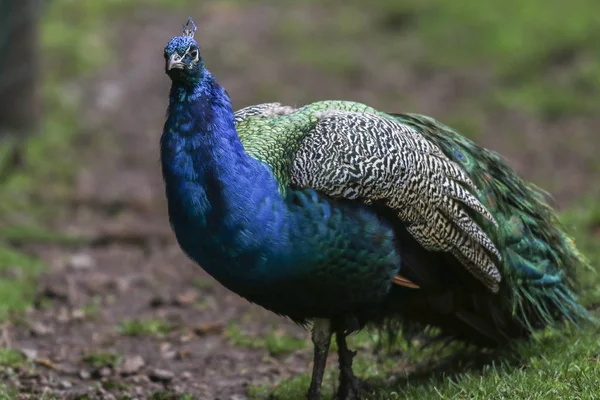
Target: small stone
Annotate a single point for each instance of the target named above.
(66, 385)
(183, 354)
(97, 283)
(237, 397)
(187, 337)
(186, 375)
(81, 262)
(131, 365)
(161, 375)
(30, 354)
(123, 284)
(63, 315)
(78, 314)
(67, 369)
(40, 329)
(165, 347)
(104, 372)
(140, 379)
(158, 301)
(84, 374)
(186, 298)
(208, 328)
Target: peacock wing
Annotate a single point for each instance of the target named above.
(372, 158)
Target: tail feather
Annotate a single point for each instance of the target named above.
(539, 260)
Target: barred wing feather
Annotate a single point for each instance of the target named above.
(371, 158)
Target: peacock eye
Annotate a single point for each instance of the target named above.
(194, 53)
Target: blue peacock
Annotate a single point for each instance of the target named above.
(342, 216)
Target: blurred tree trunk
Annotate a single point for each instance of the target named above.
(19, 67)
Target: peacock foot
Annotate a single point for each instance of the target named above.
(351, 388)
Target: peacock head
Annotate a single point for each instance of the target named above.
(182, 56)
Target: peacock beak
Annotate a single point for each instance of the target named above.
(174, 62)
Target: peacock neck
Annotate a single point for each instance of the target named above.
(219, 198)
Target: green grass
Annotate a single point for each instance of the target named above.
(17, 281)
(541, 56)
(115, 385)
(92, 310)
(7, 393)
(28, 192)
(11, 358)
(98, 359)
(144, 327)
(276, 341)
(166, 395)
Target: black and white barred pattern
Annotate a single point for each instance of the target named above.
(367, 157)
(262, 110)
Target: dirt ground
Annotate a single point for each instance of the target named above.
(133, 268)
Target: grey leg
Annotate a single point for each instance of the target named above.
(321, 337)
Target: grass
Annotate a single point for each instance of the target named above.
(98, 359)
(17, 281)
(276, 341)
(166, 395)
(92, 310)
(535, 64)
(144, 327)
(28, 192)
(8, 393)
(11, 358)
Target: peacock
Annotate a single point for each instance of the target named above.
(340, 217)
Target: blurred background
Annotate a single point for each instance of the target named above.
(95, 296)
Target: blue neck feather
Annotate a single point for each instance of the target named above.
(229, 216)
(224, 205)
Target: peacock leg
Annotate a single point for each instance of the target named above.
(350, 386)
(321, 337)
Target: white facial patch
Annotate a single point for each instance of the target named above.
(177, 59)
